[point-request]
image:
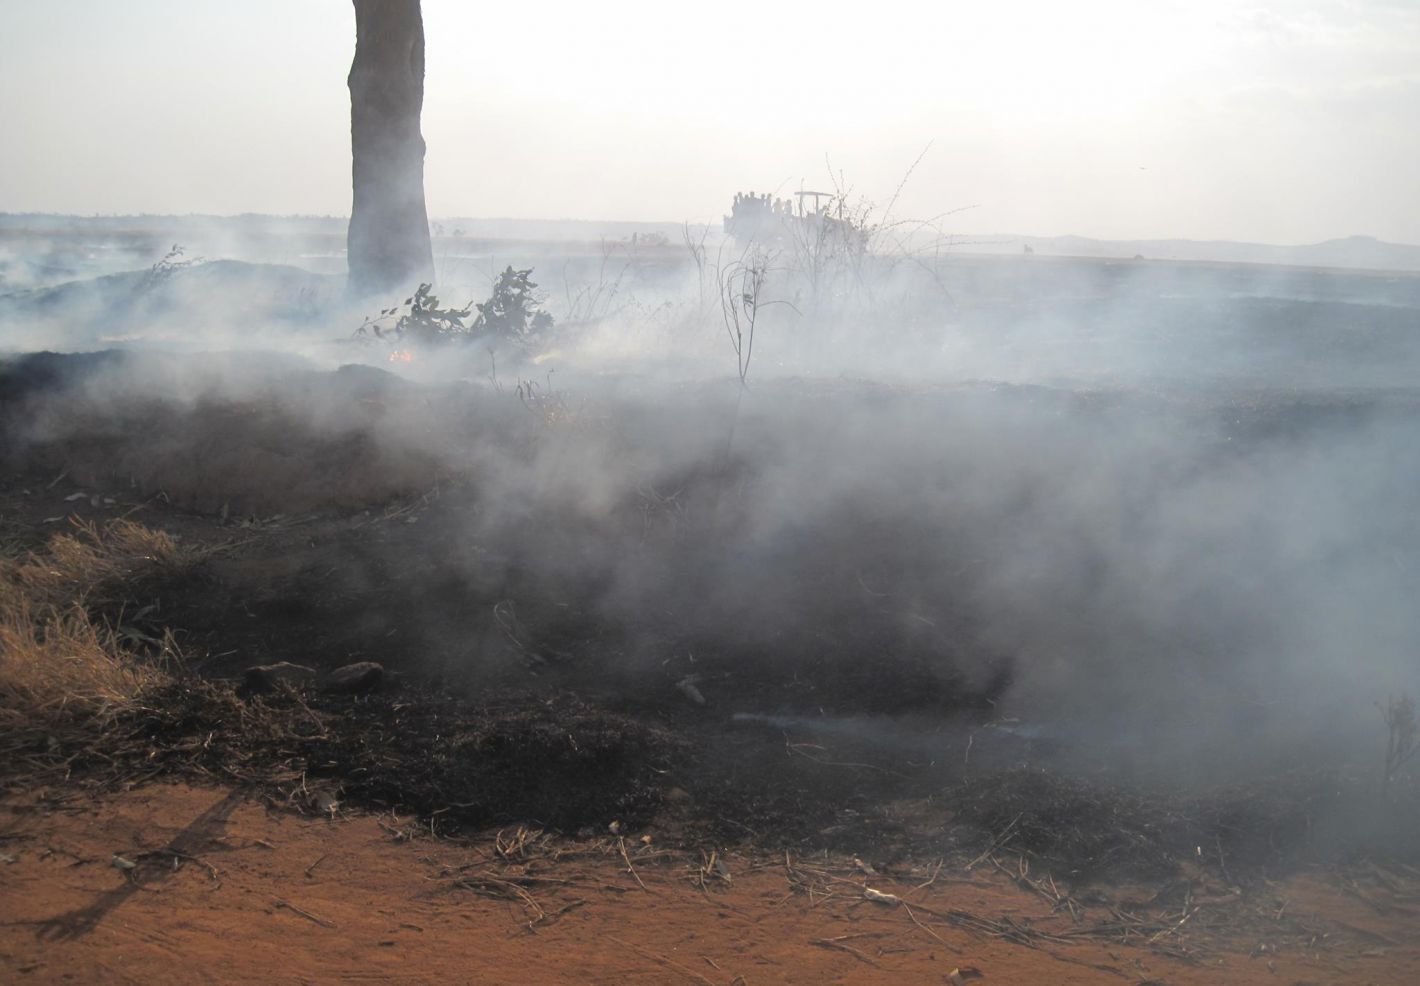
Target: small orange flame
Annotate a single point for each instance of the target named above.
(401, 356)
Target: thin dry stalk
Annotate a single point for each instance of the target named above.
(842, 946)
(621, 846)
(1402, 737)
(663, 960)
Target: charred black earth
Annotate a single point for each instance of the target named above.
(664, 610)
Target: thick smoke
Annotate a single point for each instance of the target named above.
(1165, 515)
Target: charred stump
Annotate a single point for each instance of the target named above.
(388, 240)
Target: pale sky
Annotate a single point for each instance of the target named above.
(1285, 123)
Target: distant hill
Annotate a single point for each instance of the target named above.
(319, 241)
(579, 230)
(1353, 251)
(1365, 252)
(574, 230)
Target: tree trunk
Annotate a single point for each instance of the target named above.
(388, 241)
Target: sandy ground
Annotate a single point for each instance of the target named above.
(225, 890)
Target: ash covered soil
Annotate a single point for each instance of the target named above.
(659, 629)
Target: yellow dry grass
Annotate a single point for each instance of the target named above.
(90, 564)
(59, 665)
(63, 668)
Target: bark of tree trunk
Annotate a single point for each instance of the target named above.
(387, 244)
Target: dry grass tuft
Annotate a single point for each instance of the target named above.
(86, 568)
(63, 669)
(62, 664)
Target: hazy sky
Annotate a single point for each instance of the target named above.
(1287, 122)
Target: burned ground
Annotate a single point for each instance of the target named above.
(322, 527)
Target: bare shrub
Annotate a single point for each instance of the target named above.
(605, 298)
(741, 284)
(842, 253)
(173, 262)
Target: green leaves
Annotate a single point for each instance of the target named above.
(512, 312)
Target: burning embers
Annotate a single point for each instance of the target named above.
(402, 356)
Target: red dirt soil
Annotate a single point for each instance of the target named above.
(268, 896)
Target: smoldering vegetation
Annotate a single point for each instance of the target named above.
(1103, 551)
(1004, 522)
